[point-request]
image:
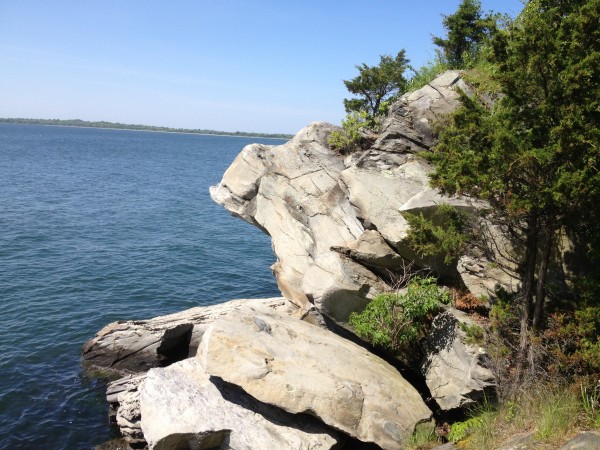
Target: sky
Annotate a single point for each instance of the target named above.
(269, 66)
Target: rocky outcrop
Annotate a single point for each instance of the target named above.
(294, 195)
(409, 126)
(321, 207)
(182, 407)
(135, 346)
(304, 369)
(248, 373)
(456, 372)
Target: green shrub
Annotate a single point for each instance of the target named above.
(461, 430)
(351, 137)
(400, 319)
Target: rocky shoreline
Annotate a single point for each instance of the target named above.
(279, 373)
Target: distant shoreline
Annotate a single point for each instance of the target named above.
(76, 123)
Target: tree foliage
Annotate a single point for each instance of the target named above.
(467, 29)
(442, 235)
(535, 156)
(124, 126)
(374, 85)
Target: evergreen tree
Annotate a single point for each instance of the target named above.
(536, 155)
(376, 84)
(466, 31)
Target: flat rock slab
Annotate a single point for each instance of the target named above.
(182, 407)
(304, 369)
(135, 346)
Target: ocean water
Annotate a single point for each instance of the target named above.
(97, 226)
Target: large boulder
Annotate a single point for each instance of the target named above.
(457, 371)
(135, 346)
(305, 369)
(316, 203)
(181, 406)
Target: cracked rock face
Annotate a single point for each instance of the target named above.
(305, 369)
(297, 199)
(457, 373)
(318, 205)
(409, 128)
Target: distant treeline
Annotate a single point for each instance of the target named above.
(123, 126)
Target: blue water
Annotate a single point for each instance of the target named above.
(96, 226)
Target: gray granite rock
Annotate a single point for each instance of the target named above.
(587, 440)
(409, 127)
(456, 372)
(182, 407)
(123, 398)
(304, 369)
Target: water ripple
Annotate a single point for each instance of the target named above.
(96, 226)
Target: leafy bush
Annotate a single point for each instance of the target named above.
(461, 430)
(400, 319)
(351, 137)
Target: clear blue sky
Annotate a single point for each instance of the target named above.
(251, 65)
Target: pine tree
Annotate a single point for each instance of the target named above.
(536, 155)
(466, 30)
(376, 84)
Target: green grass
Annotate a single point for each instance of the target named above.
(552, 413)
(424, 438)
